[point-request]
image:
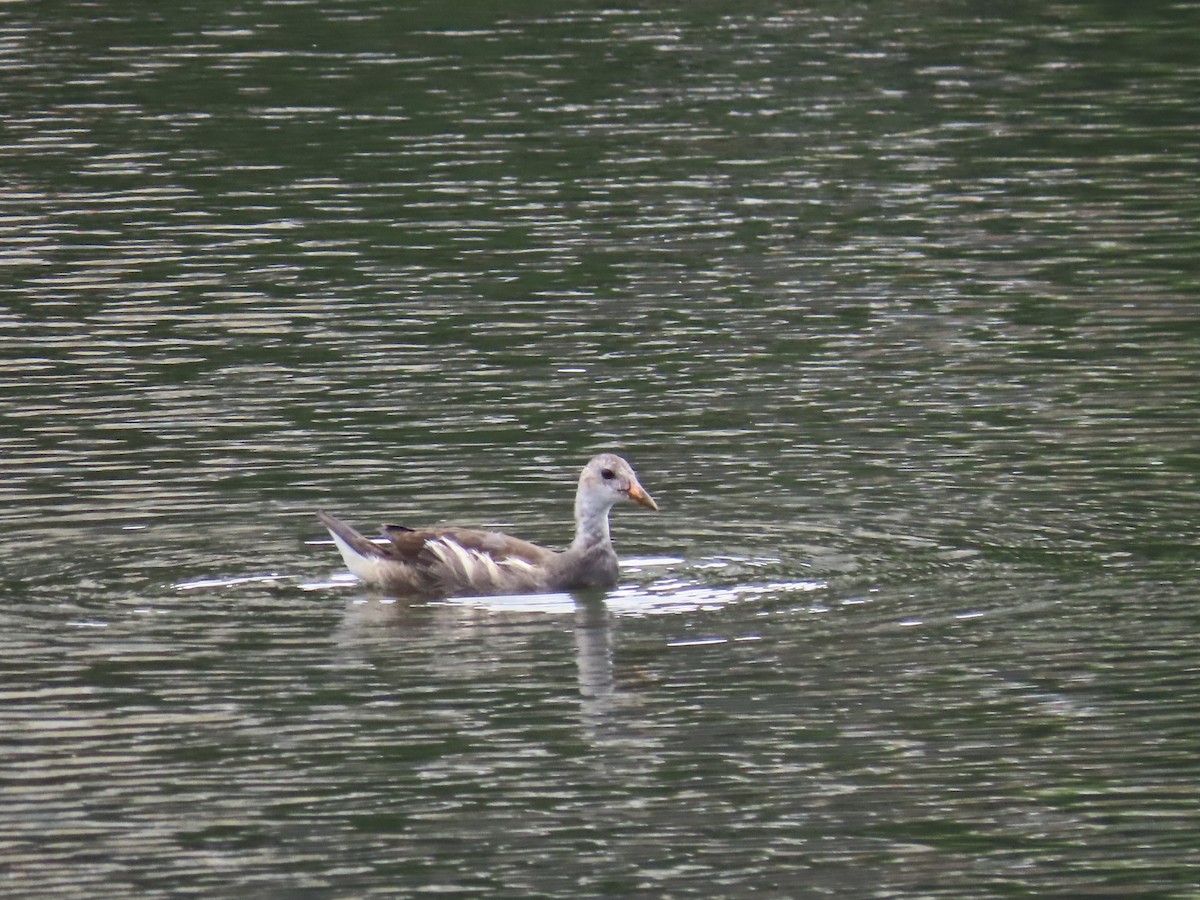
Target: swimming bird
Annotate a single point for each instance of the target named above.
(449, 561)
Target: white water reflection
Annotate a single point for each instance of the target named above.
(371, 621)
(594, 643)
(236, 581)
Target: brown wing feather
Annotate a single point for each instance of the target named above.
(409, 544)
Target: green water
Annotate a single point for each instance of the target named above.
(893, 307)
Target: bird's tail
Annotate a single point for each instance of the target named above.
(363, 557)
(343, 534)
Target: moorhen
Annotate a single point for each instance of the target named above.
(449, 562)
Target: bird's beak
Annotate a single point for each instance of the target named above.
(638, 494)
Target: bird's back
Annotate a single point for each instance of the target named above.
(449, 561)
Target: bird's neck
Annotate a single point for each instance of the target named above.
(591, 522)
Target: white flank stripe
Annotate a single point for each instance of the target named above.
(476, 567)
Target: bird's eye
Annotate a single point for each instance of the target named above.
(607, 474)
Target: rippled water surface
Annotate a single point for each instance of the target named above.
(894, 307)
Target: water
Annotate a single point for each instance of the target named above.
(893, 309)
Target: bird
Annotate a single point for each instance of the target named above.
(443, 562)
